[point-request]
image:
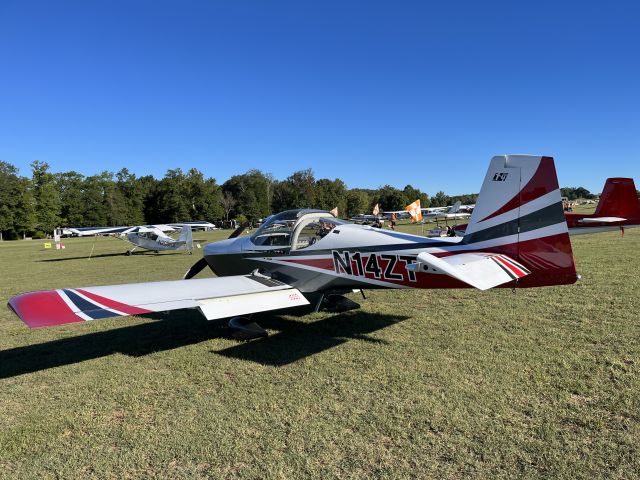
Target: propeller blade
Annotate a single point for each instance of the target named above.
(196, 268)
(239, 230)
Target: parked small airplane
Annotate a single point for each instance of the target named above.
(517, 237)
(156, 240)
(618, 207)
(452, 213)
(148, 237)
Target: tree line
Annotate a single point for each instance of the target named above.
(35, 206)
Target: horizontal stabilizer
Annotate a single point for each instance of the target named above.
(216, 297)
(602, 220)
(480, 270)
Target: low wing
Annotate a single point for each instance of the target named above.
(601, 220)
(480, 270)
(218, 297)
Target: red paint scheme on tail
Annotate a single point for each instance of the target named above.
(543, 181)
(619, 199)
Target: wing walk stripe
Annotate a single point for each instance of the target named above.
(81, 294)
(72, 306)
(112, 304)
(87, 307)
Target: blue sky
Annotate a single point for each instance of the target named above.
(420, 93)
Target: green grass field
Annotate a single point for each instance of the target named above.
(416, 384)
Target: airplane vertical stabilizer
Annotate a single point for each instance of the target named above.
(519, 213)
(186, 236)
(455, 208)
(619, 199)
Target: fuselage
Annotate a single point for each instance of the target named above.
(358, 257)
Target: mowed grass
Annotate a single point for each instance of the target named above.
(416, 384)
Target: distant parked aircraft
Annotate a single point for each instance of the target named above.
(148, 237)
(452, 213)
(618, 207)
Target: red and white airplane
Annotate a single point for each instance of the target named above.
(618, 207)
(517, 237)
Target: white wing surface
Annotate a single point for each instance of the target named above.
(218, 297)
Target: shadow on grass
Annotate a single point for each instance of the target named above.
(294, 340)
(102, 255)
(297, 340)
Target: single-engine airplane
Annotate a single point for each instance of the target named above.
(148, 237)
(156, 240)
(454, 212)
(618, 207)
(517, 237)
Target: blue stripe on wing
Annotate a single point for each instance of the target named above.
(87, 307)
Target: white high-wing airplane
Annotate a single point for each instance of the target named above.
(148, 237)
(156, 240)
(517, 237)
(452, 213)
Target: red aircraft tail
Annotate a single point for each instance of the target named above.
(519, 214)
(619, 199)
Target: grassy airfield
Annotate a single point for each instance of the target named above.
(416, 384)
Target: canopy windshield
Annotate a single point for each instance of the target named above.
(277, 229)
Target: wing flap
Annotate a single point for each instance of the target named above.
(244, 294)
(480, 270)
(224, 307)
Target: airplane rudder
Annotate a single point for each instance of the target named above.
(619, 198)
(519, 213)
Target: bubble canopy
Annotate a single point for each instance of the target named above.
(277, 229)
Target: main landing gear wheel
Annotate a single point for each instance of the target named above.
(128, 253)
(242, 328)
(334, 303)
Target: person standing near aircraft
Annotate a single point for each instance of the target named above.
(394, 219)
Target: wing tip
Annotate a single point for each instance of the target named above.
(42, 309)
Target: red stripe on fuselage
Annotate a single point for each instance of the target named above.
(43, 309)
(107, 302)
(324, 263)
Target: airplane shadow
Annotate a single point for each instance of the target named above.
(294, 340)
(86, 257)
(102, 255)
(297, 340)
